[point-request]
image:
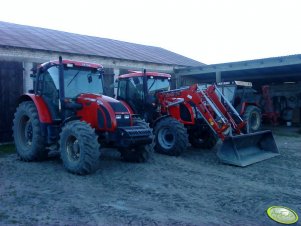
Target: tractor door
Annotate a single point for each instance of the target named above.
(47, 87)
(131, 91)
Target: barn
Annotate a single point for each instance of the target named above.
(24, 47)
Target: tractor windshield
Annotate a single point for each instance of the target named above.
(82, 80)
(157, 84)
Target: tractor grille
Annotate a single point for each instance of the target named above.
(135, 131)
(123, 122)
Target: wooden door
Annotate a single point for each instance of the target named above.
(11, 87)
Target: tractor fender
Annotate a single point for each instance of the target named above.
(159, 119)
(69, 119)
(44, 114)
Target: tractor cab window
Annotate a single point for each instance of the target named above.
(54, 74)
(135, 89)
(122, 89)
(131, 90)
(48, 85)
(48, 81)
(228, 91)
(157, 84)
(79, 80)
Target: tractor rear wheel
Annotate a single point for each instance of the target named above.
(252, 116)
(29, 142)
(79, 148)
(171, 137)
(204, 140)
(140, 153)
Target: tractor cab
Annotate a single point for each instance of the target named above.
(79, 78)
(139, 90)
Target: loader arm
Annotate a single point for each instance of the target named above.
(206, 103)
(230, 112)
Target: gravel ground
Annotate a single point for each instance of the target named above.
(194, 189)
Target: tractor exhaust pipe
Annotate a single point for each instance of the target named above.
(62, 88)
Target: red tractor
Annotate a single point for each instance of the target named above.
(66, 109)
(198, 116)
(245, 100)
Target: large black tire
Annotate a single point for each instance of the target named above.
(171, 137)
(252, 116)
(79, 148)
(139, 153)
(203, 140)
(29, 142)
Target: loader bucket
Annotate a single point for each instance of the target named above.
(246, 149)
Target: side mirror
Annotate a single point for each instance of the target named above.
(34, 70)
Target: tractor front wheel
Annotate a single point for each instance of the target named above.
(29, 142)
(79, 148)
(170, 137)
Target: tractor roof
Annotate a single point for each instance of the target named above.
(75, 63)
(149, 74)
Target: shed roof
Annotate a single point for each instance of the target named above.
(275, 69)
(29, 37)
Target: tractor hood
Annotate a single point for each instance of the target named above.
(105, 101)
(104, 112)
(96, 97)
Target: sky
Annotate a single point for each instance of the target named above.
(209, 31)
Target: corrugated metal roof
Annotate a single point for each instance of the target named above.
(279, 61)
(273, 69)
(46, 39)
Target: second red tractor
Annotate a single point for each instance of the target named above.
(192, 115)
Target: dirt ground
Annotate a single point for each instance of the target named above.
(194, 189)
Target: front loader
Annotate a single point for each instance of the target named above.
(67, 110)
(198, 116)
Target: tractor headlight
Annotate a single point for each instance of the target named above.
(126, 116)
(118, 116)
